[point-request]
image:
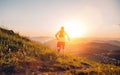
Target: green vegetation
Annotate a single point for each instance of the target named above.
(20, 55)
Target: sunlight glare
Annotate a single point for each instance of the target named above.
(75, 28)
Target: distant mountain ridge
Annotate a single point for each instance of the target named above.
(109, 48)
(42, 39)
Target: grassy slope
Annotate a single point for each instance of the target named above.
(20, 55)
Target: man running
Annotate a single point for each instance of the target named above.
(61, 37)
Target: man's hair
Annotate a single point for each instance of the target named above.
(62, 27)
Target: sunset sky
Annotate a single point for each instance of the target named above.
(94, 18)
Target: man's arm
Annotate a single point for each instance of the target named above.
(56, 35)
(67, 36)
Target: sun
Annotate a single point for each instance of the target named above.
(75, 28)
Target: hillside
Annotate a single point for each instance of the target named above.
(21, 56)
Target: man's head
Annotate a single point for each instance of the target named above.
(62, 28)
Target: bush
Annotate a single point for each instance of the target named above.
(8, 69)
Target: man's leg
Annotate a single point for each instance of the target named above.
(63, 45)
(58, 46)
(58, 49)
